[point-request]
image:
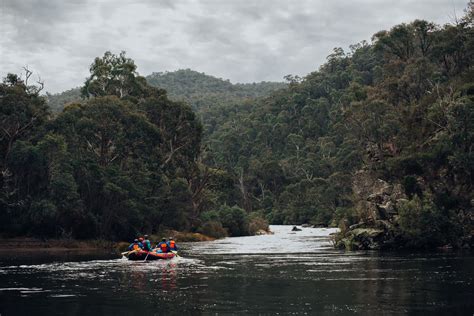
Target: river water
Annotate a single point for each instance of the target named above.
(296, 273)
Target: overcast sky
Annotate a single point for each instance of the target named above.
(240, 40)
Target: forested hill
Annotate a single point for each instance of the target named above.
(199, 89)
(196, 88)
(379, 140)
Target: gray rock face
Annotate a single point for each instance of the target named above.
(377, 199)
(376, 202)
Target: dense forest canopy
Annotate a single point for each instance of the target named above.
(124, 160)
(398, 111)
(379, 137)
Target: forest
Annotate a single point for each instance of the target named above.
(378, 141)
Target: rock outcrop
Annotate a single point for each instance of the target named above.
(376, 203)
(376, 198)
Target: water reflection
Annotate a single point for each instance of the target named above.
(281, 273)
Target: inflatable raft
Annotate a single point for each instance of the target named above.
(141, 255)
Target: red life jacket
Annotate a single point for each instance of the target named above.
(172, 244)
(164, 247)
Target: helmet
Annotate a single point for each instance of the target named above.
(140, 239)
(171, 238)
(163, 239)
(146, 236)
(136, 240)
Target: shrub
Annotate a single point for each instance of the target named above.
(276, 217)
(257, 223)
(43, 218)
(234, 219)
(213, 229)
(210, 216)
(423, 225)
(411, 186)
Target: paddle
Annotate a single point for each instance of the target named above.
(128, 252)
(146, 256)
(175, 253)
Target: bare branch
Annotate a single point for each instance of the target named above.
(40, 84)
(28, 74)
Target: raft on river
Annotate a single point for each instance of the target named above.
(141, 255)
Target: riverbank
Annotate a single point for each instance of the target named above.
(34, 244)
(27, 244)
(387, 235)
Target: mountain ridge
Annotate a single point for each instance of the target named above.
(196, 88)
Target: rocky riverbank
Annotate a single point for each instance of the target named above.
(388, 219)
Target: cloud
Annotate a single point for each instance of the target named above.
(244, 41)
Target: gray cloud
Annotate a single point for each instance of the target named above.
(244, 41)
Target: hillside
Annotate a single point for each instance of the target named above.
(201, 90)
(379, 140)
(197, 89)
(59, 100)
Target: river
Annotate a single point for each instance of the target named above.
(296, 273)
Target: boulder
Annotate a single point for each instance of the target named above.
(362, 239)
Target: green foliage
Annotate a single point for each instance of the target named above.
(43, 218)
(109, 167)
(57, 102)
(424, 225)
(213, 229)
(204, 92)
(411, 186)
(114, 75)
(234, 219)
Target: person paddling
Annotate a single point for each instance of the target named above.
(172, 244)
(135, 245)
(146, 243)
(162, 246)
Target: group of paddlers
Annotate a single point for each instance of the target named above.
(164, 246)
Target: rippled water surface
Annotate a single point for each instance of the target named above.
(286, 273)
